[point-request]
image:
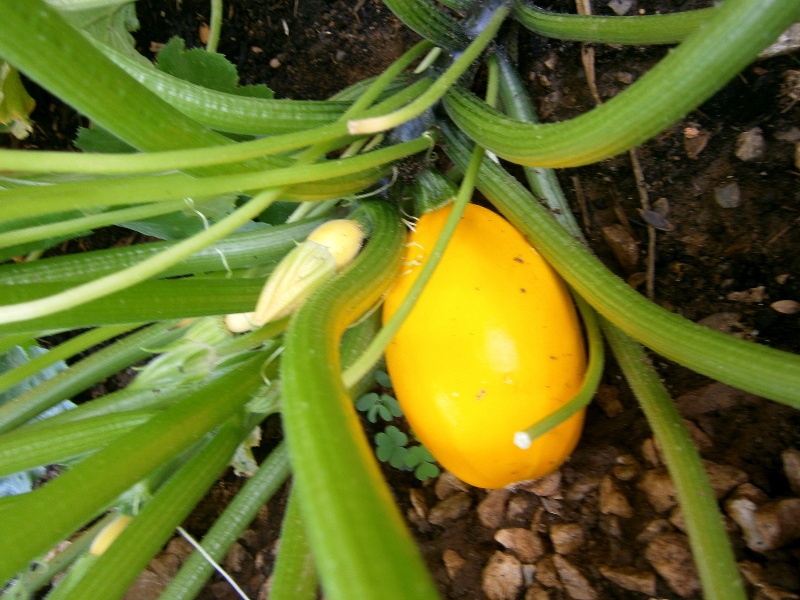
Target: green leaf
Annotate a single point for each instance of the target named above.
(426, 471)
(367, 401)
(382, 377)
(15, 103)
(98, 139)
(110, 24)
(206, 69)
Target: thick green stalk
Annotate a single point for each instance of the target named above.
(87, 372)
(26, 448)
(194, 158)
(237, 516)
(118, 566)
(543, 182)
(358, 171)
(711, 547)
(239, 250)
(146, 301)
(229, 112)
(361, 546)
(756, 368)
(439, 87)
(737, 31)
(294, 576)
(114, 469)
(430, 22)
(635, 30)
(72, 227)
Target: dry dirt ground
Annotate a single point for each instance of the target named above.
(725, 184)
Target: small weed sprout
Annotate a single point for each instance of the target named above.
(392, 444)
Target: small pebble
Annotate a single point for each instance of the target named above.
(612, 500)
(750, 145)
(670, 555)
(520, 508)
(546, 573)
(502, 577)
(623, 245)
(493, 507)
(452, 562)
(448, 484)
(620, 6)
(575, 582)
(791, 468)
(627, 467)
(275, 63)
(451, 508)
(631, 579)
(787, 307)
(527, 545)
(566, 537)
(729, 195)
(536, 592)
(549, 485)
(607, 398)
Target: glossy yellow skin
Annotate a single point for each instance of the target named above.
(492, 346)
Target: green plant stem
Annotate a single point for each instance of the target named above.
(359, 170)
(27, 448)
(756, 368)
(737, 31)
(634, 30)
(194, 158)
(594, 372)
(114, 469)
(194, 572)
(87, 372)
(294, 576)
(430, 22)
(118, 566)
(76, 345)
(711, 547)
(42, 574)
(543, 182)
(145, 269)
(215, 26)
(77, 225)
(238, 250)
(361, 546)
(439, 87)
(146, 301)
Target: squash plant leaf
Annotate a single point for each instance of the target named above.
(110, 23)
(206, 69)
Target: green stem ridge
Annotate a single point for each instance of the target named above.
(711, 547)
(240, 250)
(361, 546)
(114, 469)
(294, 576)
(87, 372)
(229, 527)
(635, 30)
(114, 570)
(753, 367)
(686, 77)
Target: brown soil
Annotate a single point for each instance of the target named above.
(724, 265)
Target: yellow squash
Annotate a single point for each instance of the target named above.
(492, 345)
